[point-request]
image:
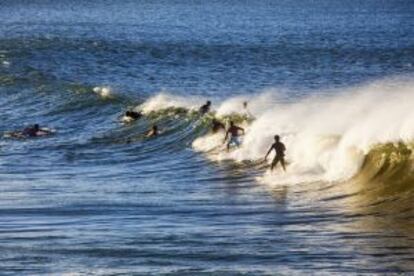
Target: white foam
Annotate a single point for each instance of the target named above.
(256, 105)
(327, 138)
(104, 92)
(164, 100)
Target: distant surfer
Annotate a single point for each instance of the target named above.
(205, 108)
(280, 149)
(152, 132)
(30, 132)
(234, 135)
(217, 126)
(131, 116)
(246, 111)
(36, 131)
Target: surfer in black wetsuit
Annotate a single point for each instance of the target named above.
(35, 131)
(217, 126)
(280, 149)
(205, 108)
(31, 131)
(133, 115)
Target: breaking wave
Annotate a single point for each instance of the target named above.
(365, 132)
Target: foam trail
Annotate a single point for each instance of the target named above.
(256, 105)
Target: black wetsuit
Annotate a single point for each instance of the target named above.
(204, 109)
(280, 149)
(30, 132)
(134, 115)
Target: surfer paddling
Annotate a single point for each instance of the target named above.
(133, 115)
(30, 132)
(234, 135)
(152, 132)
(280, 149)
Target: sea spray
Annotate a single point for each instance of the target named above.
(327, 138)
(105, 92)
(165, 101)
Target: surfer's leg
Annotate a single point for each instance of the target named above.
(232, 141)
(282, 161)
(237, 141)
(274, 163)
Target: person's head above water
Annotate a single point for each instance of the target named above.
(231, 123)
(208, 103)
(36, 127)
(277, 138)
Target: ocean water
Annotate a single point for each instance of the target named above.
(333, 78)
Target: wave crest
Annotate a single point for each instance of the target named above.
(328, 138)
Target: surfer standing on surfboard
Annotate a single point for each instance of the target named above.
(235, 136)
(280, 149)
(205, 108)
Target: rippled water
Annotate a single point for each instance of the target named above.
(99, 198)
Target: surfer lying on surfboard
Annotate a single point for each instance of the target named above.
(152, 132)
(234, 135)
(30, 132)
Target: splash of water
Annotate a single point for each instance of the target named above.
(327, 138)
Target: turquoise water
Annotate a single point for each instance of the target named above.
(99, 198)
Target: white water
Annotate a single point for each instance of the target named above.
(105, 92)
(326, 137)
(165, 100)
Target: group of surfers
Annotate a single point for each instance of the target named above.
(232, 133)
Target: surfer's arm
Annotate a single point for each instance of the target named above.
(241, 129)
(269, 151)
(225, 137)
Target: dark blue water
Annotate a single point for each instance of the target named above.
(89, 201)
